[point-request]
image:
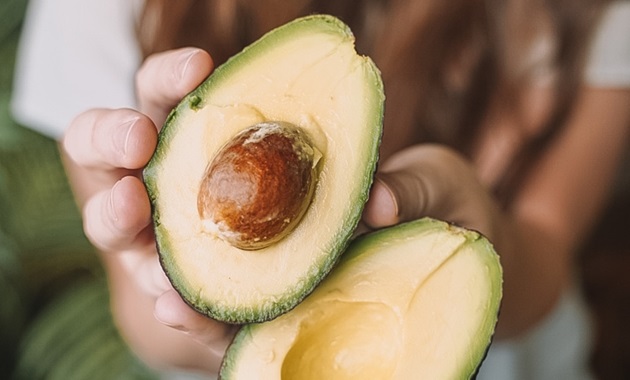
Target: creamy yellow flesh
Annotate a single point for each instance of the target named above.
(418, 309)
(308, 87)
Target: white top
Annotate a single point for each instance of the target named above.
(80, 54)
(609, 63)
(74, 55)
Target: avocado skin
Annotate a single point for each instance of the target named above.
(195, 101)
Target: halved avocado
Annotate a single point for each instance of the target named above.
(415, 301)
(304, 76)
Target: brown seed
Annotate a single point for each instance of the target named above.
(259, 185)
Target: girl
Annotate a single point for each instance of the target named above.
(500, 117)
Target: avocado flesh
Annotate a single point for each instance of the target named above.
(306, 73)
(419, 300)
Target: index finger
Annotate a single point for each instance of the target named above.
(165, 78)
(108, 139)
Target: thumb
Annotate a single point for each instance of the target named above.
(428, 180)
(395, 197)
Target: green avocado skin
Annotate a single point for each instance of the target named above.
(371, 244)
(280, 303)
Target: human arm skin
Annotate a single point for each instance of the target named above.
(104, 151)
(537, 235)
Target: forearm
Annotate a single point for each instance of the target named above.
(560, 202)
(537, 270)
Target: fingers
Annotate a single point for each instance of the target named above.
(428, 180)
(119, 218)
(172, 311)
(144, 265)
(108, 139)
(165, 78)
(389, 192)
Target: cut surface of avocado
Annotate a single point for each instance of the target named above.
(415, 301)
(306, 74)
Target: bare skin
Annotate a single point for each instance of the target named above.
(536, 236)
(104, 174)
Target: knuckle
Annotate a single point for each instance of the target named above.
(74, 136)
(152, 71)
(93, 229)
(147, 67)
(103, 226)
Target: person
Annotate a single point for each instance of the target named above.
(499, 117)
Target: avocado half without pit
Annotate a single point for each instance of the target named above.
(261, 173)
(415, 301)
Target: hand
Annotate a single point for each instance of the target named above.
(435, 181)
(107, 150)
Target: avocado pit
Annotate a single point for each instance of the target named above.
(259, 185)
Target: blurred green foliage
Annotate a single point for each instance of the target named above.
(55, 321)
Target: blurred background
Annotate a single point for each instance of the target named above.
(54, 314)
(54, 317)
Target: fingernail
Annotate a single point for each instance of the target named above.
(165, 313)
(112, 201)
(121, 138)
(173, 326)
(391, 194)
(184, 62)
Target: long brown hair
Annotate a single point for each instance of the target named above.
(443, 62)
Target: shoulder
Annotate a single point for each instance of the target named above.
(609, 59)
(74, 55)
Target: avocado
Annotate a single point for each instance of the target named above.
(418, 300)
(261, 173)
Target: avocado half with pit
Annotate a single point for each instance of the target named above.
(261, 173)
(415, 301)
